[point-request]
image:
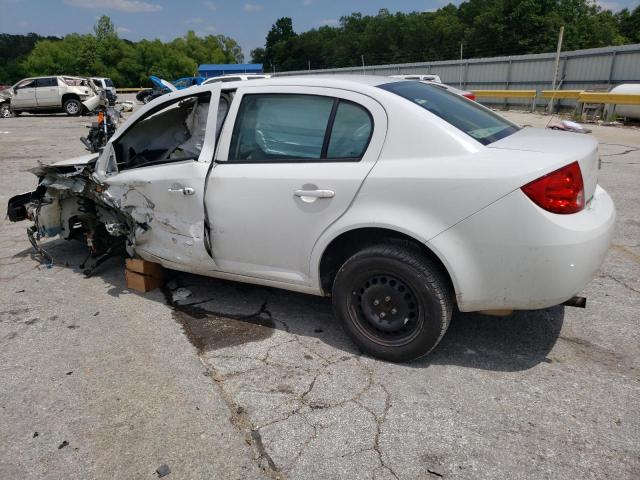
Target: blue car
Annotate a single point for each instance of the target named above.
(161, 87)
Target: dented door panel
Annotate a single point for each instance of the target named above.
(169, 223)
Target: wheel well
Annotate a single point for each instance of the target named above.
(348, 243)
(68, 96)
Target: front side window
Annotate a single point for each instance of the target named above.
(297, 128)
(474, 120)
(29, 83)
(108, 82)
(170, 133)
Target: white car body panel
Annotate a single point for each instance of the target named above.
(535, 260)
(420, 177)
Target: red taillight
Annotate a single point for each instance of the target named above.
(469, 95)
(561, 191)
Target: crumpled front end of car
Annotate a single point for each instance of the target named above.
(68, 202)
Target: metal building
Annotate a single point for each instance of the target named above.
(208, 70)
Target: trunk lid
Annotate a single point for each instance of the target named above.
(568, 146)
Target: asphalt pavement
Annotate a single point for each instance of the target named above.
(219, 379)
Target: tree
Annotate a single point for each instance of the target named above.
(104, 29)
(104, 54)
(257, 55)
(280, 32)
(484, 27)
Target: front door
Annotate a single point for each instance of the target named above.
(25, 94)
(155, 172)
(47, 94)
(289, 163)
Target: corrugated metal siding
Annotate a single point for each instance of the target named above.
(592, 69)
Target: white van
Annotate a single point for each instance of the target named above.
(104, 84)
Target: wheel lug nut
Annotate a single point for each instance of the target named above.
(376, 302)
(382, 314)
(394, 311)
(387, 299)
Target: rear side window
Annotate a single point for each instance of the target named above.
(474, 120)
(299, 128)
(352, 128)
(48, 82)
(108, 82)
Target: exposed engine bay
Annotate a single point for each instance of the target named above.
(68, 202)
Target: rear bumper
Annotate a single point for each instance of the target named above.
(514, 255)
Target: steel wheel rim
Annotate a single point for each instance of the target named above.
(385, 309)
(5, 112)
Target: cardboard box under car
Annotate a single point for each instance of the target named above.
(142, 275)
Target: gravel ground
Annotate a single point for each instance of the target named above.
(238, 381)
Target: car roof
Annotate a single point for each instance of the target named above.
(336, 81)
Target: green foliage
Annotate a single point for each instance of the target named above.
(13, 50)
(104, 54)
(484, 28)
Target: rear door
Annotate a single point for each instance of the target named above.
(289, 163)
(47, 92)
(25, 94)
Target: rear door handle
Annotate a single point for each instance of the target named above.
(315, 193)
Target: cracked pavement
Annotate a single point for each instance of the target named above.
(544, 394)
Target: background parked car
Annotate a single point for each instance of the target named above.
(162, 86)
(106, 84)
(72, 95)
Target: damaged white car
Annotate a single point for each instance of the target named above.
(398, 199)
(71, 95)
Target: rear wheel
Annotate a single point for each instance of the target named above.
(393, 301)
(73, 107)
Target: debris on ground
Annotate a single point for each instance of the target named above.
(63, 444)
(181, 294)
(569, 126)
(163, 470)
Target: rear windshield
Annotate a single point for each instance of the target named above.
(474, 120)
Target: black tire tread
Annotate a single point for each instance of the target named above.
(431, 274)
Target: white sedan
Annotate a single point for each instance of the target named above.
(398, 199)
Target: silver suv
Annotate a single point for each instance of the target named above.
(47, 94)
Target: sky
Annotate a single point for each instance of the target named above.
(246, 21)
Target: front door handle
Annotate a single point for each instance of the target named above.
(182, 190)
(315, 193)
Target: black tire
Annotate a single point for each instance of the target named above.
(73, 107)
(6, 111)
(401, 284)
